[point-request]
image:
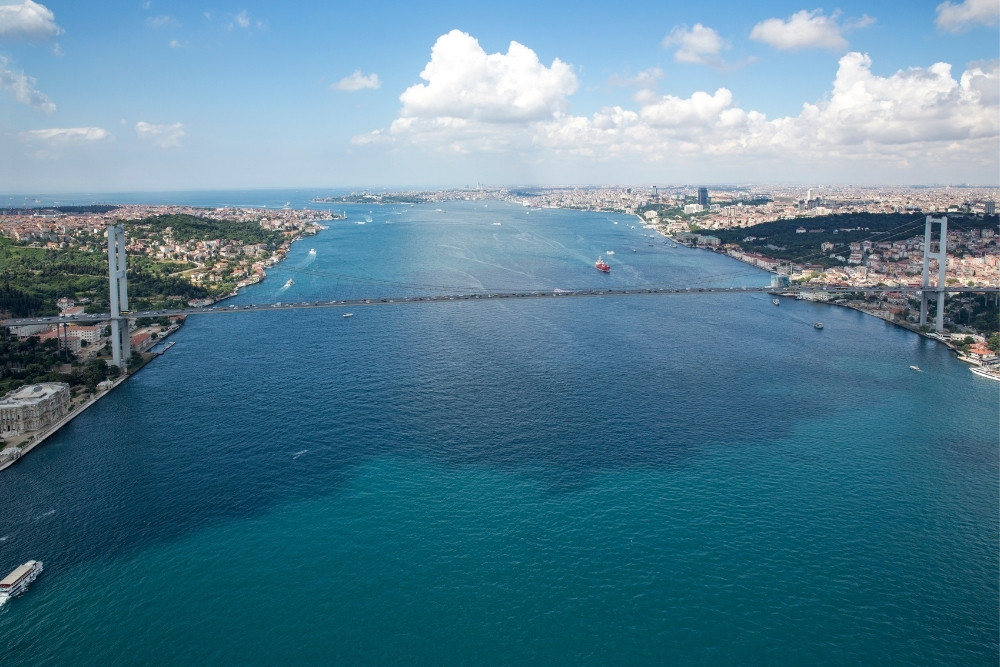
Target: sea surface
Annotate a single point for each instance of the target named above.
(689, 479)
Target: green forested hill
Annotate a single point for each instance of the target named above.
(780, 240)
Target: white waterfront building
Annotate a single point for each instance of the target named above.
(33, 407)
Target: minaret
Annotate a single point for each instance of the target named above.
(120, 350)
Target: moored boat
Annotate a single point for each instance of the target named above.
(17, 581)
(990, 373)
(601, 265)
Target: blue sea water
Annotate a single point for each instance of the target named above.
(693, 478)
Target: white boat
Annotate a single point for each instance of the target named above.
(776, 301)
(818, 325)
(348, 315)
(17, 581)
(289, 282)
(986, 373)
(914, 368)
(312, 251)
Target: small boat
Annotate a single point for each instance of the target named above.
(289, 282)
(776, 302)
(348, 315)
(601, 265)
(914, 368)
(818, 325)
(17, 581)
(312, 251)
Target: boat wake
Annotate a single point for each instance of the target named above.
(298, 454)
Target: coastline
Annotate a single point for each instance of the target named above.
(903, 325)
(39, 437)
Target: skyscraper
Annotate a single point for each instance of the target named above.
(703, 196)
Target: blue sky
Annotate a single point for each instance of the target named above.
(158, 95)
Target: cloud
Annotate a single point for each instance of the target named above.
(160, 21)
(357, 81)
(956, 18)
(27, 22)
(644, 79)
(242, 21)
(699, 45)
(164, 136)
(23, 88)
(66, 135)
(918, 120)
(465, 84)
(803, 30)
(174, 44)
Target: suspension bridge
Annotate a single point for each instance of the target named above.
(120, 314)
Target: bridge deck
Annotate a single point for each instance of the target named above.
(472, 295)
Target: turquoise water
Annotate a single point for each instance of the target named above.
(694, 478)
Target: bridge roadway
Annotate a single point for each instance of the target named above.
(466, 295)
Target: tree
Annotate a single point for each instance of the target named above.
(994, 342)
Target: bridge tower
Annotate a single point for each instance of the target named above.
(120, 349)
(942, 259)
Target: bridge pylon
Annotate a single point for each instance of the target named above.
(942, 259)
(120, 348)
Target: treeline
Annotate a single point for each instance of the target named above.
(780, 240)
(31, 360)
(194, 228)
(32, 279)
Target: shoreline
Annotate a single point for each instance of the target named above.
(903, 325)
(39, 437)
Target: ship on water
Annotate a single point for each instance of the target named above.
(17, 581)
(601, 265)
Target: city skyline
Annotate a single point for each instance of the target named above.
(167, 96)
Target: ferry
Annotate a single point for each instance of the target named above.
(17, 581)
(986, 373)
(601, 265)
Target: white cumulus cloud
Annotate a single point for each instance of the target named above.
(803, 30)
(700, 45)
(357, 81)
(164, 136)
(23, 88)
(29, 21)
(465, 84)
(64, 135)
(919, 120)
(964, 15)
